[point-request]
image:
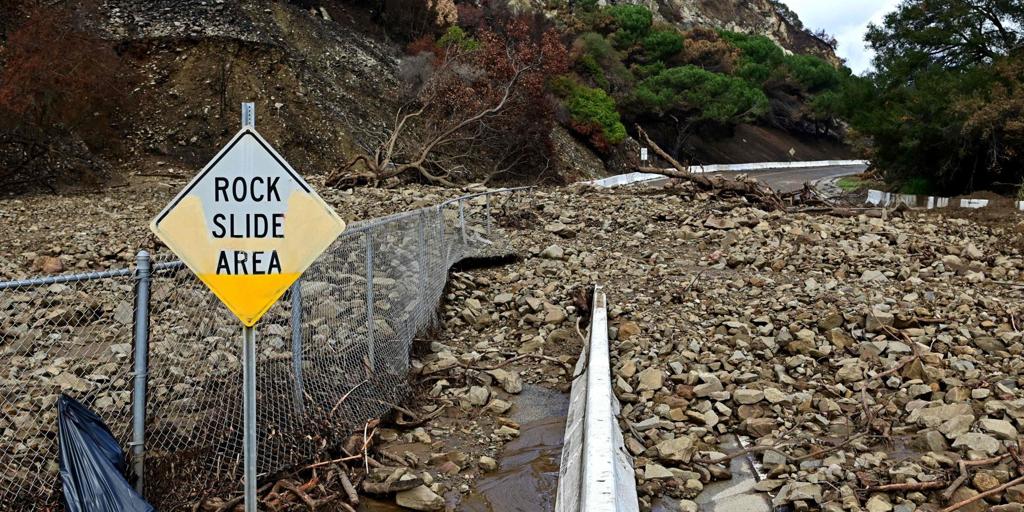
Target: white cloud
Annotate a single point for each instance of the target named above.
(848, 21)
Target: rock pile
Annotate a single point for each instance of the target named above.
(858, 352)
(874, 362)
(867, 359)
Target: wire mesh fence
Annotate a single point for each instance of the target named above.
(332, 354)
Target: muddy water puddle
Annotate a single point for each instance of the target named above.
(527, 476)
(733, 495)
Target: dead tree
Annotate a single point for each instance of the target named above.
(382, 164)
(470, 106)
(752, 190)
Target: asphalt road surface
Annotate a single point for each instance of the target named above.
(788, 180)
(785, 180)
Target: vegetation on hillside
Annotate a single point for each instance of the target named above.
(652, 73)
(945, 103)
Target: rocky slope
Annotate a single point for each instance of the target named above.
(762, 17)
(322, 79)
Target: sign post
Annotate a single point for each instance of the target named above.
(248, 226)
(249, 413)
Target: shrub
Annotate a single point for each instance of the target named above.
(757, 49)
(455, 36)
(706, 49)
(596, 58)
(632, 23)
(642, 71)
(593, 112)
(754, 72)
(706, 96)
(812, 73)
(662, 44)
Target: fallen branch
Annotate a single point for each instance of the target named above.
(830, 449)
(346, 485)
(345, 396)
(907, 486)
(329, 462)
(960, 504)
(750, 189)
(233, 502)
(520, 357)
(299, 493)
(962, 465)
(731, 456)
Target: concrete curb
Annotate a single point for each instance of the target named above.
(596, 473)
(636, 177)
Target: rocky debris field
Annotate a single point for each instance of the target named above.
(875, 362)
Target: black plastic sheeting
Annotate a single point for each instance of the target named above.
(92, 464)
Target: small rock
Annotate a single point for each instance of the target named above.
(719, 223)
(1001, 429)
(680, 449)
(509, 381)
(979, 442)
(487, 463)
(420, 498)
(628, 329)
(878, 503)
(654, 471)
(478, 395)
(747, 396)
(553, 252)
(873, 276)
(651, 378)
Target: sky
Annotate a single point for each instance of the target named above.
(847, 20)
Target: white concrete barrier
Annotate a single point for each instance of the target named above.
(890, 199)
(596, 473)
(760, 166)
(637, 177)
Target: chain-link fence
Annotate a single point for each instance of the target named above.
(332, 354)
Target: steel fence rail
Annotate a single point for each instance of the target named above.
(156, 355)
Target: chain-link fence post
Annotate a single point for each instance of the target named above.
(462, 221)
(442, 250)
(296, 321)
(143, 279)
(487, 213)
(369, 300)
(421, 254)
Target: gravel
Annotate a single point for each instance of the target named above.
(865, 351)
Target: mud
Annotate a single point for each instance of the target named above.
(527, 477)
(730, 495)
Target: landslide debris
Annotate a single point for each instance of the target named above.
(872, 363)
(866, 359)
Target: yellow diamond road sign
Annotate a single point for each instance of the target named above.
(248, 225)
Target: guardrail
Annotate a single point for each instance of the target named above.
(596, 472)
(636, 177)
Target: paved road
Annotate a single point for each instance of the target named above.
(788, 180)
